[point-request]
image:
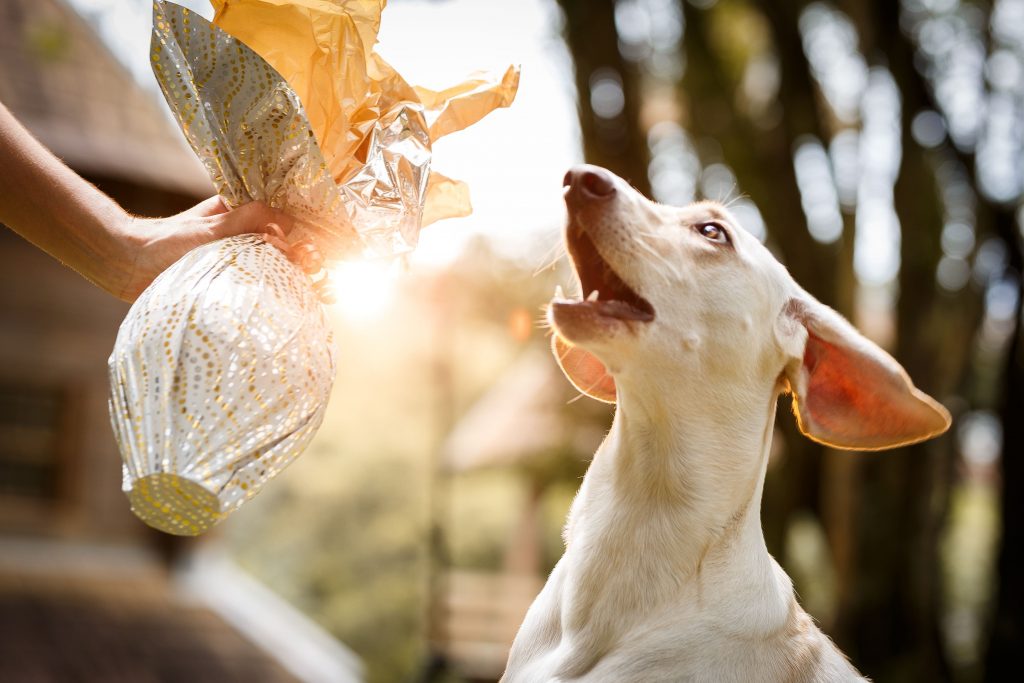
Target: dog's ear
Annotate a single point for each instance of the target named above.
(848, 392)
(584, 370)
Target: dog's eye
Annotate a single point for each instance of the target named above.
(713, 232)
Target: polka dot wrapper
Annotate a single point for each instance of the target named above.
(219, 378)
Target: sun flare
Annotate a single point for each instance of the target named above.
(364, 290)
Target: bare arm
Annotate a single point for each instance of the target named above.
(48, 204)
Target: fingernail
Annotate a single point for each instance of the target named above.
(313, 262)
(306, 255)
(274, 228)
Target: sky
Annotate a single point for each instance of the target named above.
(513, 160)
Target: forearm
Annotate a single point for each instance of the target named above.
(48, 204)
(45, 202)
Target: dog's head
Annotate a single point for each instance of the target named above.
(673, 292)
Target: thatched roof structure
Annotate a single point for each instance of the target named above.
(65, 85)
(520, 418)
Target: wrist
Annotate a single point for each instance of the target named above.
(117, 251)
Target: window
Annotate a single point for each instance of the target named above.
(30, 418)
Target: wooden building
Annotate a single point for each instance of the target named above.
(87, 592)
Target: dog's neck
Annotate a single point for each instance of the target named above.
(668, 517)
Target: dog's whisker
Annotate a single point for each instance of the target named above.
(737, 197)
(724, 194)
(661, 259)
(551, 258)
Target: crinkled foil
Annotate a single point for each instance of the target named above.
(324, 49)
(220, 376)
(222, 369)
(275, 112)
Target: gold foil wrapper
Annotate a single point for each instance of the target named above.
(364, 114)
(280, 98)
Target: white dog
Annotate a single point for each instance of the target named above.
(694, 329)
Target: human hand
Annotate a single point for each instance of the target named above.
(306, 256)
(52, 207)
(148, 246)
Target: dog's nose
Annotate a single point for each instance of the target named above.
(592, 181)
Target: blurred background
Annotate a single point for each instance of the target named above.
(876, 146)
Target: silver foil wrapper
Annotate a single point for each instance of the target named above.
(219, 378)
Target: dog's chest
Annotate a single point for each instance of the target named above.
(579, 631)
(662, 651)
(686, 638)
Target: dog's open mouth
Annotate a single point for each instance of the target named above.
(603, 290)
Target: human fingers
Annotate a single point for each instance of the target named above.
(251, 217)
(211, 206)
(274, 236)
(306, 256)
(303, 253)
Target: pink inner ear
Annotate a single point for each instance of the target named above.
(584, 370)
(831, 400)
(855, 400)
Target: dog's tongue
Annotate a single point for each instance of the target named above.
(620, 309)
(615, 298)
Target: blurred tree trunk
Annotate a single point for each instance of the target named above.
(1006, 638)
(1006, 630)
(891, 620)
(1007, 627)
(890, 613)
(762, 158)
(813, 478)
(613, 140)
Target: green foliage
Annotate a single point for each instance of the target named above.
(967, 553)
(351, 558)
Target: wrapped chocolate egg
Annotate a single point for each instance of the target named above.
(222, 369)
(219, 378)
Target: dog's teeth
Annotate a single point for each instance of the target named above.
(592, 296)
(559, 294)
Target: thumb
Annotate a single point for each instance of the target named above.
(251, 217)
(212, 206)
